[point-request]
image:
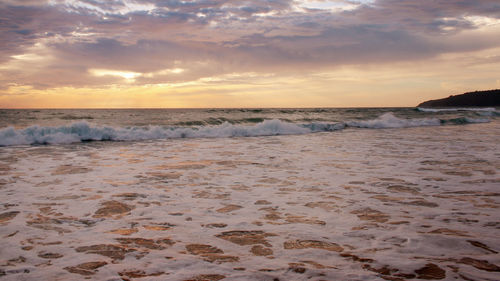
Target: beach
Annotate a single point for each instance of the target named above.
(358, 200)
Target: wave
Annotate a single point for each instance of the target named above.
(464, 120)
(388, 120)
(83, 131)
(219, 121)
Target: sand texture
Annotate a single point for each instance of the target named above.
(393, 204)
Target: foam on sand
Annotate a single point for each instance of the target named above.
(363, 204)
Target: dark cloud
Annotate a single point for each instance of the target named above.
(143, 56)
(23, 26)
(440, 16)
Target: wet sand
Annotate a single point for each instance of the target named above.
(415, 203)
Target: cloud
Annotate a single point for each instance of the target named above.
(434, 17)
(206, 38)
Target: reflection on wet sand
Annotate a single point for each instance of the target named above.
(321, 207)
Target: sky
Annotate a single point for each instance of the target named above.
(238, 53)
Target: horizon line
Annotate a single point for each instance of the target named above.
(104, 108)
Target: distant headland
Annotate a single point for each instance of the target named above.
(471, 99)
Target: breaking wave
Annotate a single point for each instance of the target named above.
(83, 131)
(388, 120)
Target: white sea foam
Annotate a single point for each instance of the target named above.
(388, 120)
(84, 131)
(392, 203)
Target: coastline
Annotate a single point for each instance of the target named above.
(324, 206)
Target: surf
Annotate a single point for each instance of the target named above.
(84, 131)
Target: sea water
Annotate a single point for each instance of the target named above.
(250, 194)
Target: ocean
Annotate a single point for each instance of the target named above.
(250, 194)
